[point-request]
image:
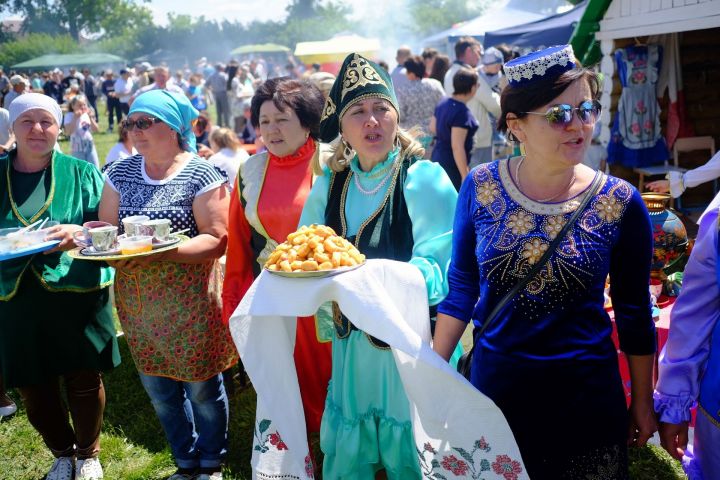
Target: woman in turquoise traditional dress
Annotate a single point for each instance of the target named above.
(379, 193)
(55, 314)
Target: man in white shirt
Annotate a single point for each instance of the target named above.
(161, 81)
(399, 73)
(468, 53)
(19, 86)
(123, 90)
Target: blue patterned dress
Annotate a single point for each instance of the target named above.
(548, 360)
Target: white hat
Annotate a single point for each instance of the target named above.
(34, 101)
(17, 80)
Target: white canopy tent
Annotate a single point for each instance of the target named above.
(496, 18)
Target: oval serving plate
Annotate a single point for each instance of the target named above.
(80, 254)
(29, 250)
(314, 273)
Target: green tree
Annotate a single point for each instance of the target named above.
(34, 45)
(76, 16)
(309, 20)
(429, 16)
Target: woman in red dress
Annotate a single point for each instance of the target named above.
(266, 203)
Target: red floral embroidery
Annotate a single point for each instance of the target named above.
(455, 465)
(309, 470)
(274, 439)
(507, 467)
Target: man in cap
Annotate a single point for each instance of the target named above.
(491, 69)
(218, 84)
(19, 86)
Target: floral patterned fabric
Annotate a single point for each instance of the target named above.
(636, 137)
(171, 314)
(502, 234)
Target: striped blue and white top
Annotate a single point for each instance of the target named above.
(170, 198)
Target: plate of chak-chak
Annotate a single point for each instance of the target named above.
(314, 251)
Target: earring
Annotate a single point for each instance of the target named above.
(398, 145)
(348, 153)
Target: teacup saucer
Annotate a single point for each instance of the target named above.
(91, 252)
(165, 243)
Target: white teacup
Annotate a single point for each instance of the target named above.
(133, 225)
(101, 238)
(158, 228)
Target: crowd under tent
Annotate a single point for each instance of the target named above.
(260, 48)
(553, 30)
(77, 60)
(331, 53)
(497, 17)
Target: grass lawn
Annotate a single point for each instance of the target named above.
(133, 444)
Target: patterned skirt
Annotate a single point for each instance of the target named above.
(172, 316)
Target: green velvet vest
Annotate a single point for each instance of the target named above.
(73, 198)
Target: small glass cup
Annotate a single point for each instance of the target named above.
(135, 244)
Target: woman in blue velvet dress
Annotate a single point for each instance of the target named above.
(379, 193)
(548, 360)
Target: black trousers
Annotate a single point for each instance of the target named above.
(113, 111)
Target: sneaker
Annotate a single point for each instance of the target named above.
(209, 474)
(88, 469)
(62, 469)
(9, 409)
(110, 130)
(183, 474)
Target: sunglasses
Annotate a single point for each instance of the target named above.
(142, 123)
(561, 115)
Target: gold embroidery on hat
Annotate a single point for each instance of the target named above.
(359, 74)
(328, 110)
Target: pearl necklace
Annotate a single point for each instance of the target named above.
(517, 179)
(377, 188)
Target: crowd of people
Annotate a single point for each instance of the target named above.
(406, 165)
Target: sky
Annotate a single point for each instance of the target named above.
(243, 10)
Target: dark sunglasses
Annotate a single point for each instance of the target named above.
(561, 115)
(142, 123)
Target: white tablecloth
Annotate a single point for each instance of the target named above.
(459, 432)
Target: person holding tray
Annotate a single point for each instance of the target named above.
(380, 194)
(534, 239)
(270, 191)
(169, 302)
(56, 317)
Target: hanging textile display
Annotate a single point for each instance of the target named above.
(636, 139)
(678, 125)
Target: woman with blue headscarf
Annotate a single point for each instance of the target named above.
(169, 303)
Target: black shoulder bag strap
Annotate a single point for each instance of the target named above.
(465, 367)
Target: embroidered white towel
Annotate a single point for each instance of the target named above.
(459, 432)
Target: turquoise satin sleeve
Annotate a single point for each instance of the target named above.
(314, 208)
(431, 199)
